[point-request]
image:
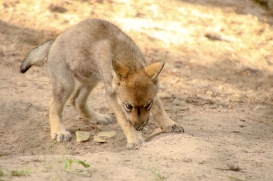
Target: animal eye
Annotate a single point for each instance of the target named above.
(128, 107)
(148, 105)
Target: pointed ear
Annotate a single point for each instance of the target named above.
(154, 70)
(120, 69)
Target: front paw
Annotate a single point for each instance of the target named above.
(134, 145)
(61, 136)
(174, 128)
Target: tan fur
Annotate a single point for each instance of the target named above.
(95, 50)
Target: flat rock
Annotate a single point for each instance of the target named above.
(98, 139)
(108, 134)
(82, 136)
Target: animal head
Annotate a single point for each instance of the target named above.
(136, 91)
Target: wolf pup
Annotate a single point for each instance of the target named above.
(95, 50)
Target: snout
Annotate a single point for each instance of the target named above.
(139, 125)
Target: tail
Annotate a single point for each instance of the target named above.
(36, 56)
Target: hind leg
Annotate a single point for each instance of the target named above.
(79, 101)
(63, 86)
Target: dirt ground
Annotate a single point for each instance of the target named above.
(217, 83)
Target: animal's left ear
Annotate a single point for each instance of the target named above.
(154, 70)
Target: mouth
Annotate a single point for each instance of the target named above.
(140, 128)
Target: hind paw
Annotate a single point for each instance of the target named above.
(102, 119)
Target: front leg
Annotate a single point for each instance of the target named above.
(134, 138)
(161, 117)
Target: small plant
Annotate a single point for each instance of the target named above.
(68, 162)
(52, 146)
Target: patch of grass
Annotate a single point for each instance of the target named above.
(47, 168)
(125, 161)
(158, 175)
(19, 172)
(3, 154)
(1, 173)
(235, 178)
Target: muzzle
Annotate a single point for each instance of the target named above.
(139, 127)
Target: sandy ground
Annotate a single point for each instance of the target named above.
(217, 83)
